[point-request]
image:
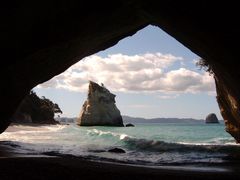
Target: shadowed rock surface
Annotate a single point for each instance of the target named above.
(129, 125)
(41, 39)
(116, 150)
(34, 109)
(99, 109)
(211, 118)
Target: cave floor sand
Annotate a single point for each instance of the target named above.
(72, 168)
(41, 167)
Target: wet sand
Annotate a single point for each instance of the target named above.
(19, 166)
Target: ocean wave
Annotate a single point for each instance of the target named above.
(162, 146)
(96, 141)
(216, 145)
(222, 140)
(25, 129)
(55, 128)
(32, 134)
(96, 132)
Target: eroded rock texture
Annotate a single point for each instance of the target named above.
(40, 39)
(99, 109)
(228, 102)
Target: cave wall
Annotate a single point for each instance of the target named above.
(42, 39)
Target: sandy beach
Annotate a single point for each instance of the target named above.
(16, 166)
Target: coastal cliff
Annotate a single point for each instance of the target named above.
(34, 109)
(99, 109)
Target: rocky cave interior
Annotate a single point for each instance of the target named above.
(42, 39)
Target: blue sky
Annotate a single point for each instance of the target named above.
(152, 74)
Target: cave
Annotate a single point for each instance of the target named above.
(42, 39)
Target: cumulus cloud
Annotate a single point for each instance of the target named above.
(168, 96)
(140, 106)
(139, 73)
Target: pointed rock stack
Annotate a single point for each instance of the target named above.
(99, 109)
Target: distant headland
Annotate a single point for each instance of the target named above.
(135, 120)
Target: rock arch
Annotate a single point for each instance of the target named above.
(42, 39)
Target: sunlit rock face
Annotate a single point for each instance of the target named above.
(229, 105)
(99, 109)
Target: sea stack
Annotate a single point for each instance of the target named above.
(211, 118)
(99, 109)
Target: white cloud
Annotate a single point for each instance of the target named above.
(145, 73)
(139, 106)
(172, 96)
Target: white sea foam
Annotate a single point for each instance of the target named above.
(108, 133)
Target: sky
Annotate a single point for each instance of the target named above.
(151, 73)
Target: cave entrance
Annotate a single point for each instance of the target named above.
(148, 71)
(159, 89)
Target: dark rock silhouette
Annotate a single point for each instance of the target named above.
(36, 110)
(211, 118)
(99, 109)
(129, 125)
(116, 150)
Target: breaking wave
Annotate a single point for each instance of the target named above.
(137, 144)
(162, 146)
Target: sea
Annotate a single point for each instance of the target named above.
(149, 144)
